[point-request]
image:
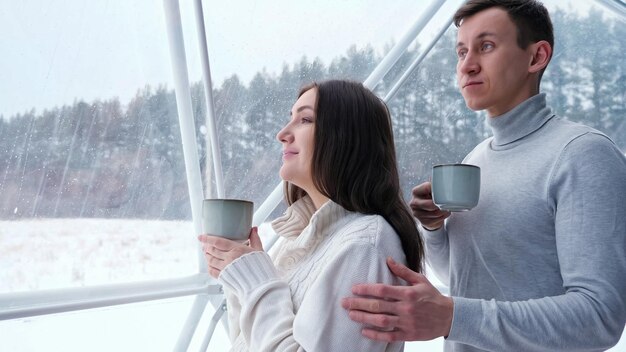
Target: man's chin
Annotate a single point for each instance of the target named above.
(475, 105)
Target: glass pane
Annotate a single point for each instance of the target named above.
(584, 83)
(92, 180)
(56, 253)
(262, 54)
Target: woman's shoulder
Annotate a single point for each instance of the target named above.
(368, 229)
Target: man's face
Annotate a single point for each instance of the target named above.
(492, 70)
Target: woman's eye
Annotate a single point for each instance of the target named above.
(307, 120)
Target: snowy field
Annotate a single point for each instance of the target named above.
(57, 253)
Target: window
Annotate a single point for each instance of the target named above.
(93, 186)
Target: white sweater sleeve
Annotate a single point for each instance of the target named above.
(268, 321)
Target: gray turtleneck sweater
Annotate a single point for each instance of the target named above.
(540, 263)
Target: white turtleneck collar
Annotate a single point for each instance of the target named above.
(303, 228)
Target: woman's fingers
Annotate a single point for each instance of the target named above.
(217, 242)
(216, 263)
(216, 252)
(220, 252)
(255, 240)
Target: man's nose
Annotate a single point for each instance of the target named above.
(470, 64)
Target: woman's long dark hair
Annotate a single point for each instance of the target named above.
(354, 160)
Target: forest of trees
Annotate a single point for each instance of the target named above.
(107, 159)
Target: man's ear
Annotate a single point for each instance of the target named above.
(541, 55)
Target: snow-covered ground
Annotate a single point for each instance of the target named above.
(57, 253)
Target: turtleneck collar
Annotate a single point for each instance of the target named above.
(295, 219)
(303, 228)
(302, 213)
(520, 122)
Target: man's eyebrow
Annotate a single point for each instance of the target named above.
(487, 34)
(480, 36)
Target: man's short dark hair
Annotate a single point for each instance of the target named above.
(529, 16)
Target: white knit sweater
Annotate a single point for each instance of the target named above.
(291, 301)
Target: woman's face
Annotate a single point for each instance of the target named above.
(297, 138)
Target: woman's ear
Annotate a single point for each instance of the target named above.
(541, 55)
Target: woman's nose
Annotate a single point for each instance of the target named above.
(284, 135)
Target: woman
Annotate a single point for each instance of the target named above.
(345, 217)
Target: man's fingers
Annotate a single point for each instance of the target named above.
(387, 336)
(422, 204)
(382, 321)
(403, 272)
(370, 305)
(381, 291)
(417, 204)
(422, 191)
(436, 214)
(431, 219)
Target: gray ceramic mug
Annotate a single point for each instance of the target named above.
(228, 218)
(455, 187)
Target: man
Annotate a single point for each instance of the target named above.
(540, 263)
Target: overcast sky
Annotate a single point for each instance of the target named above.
(55, 52)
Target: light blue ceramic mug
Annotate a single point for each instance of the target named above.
(228, 218)
(455, 187)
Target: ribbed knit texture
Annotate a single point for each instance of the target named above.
(540, 263)
(291, 300)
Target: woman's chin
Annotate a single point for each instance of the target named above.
(283, 174)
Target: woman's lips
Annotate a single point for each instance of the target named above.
(289, 154)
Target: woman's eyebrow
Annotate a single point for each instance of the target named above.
(302, 108)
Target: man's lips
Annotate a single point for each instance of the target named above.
(472, 83)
